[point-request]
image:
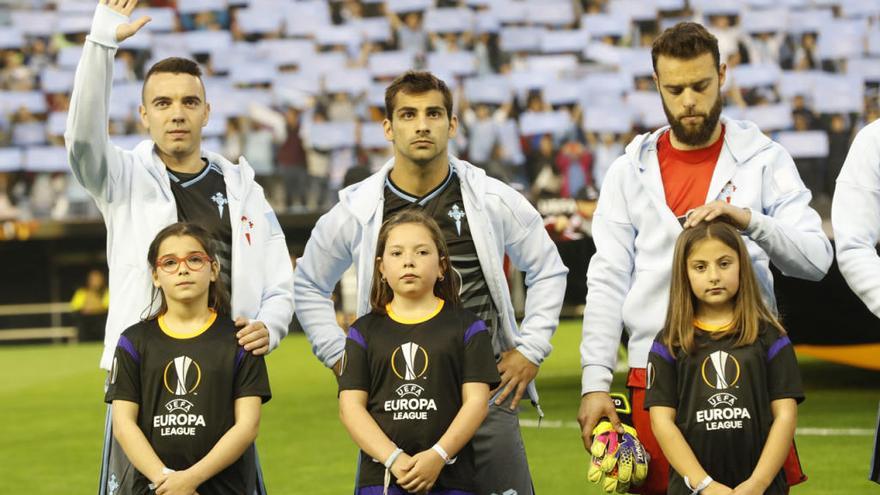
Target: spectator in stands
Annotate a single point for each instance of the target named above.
(89, 305)
(799, 109)
(341, 108)
(662, 183)
(805, 57)
(501, 167)
(233, 142)
(318, 161)
(481, 123)
(730, 39)
(409, 32)
(541, 167)
(606, 147)
(292, 163)
(764, 47)
(488, 53)
(839, 137)
(8, 211)
(16, 76)
(575, 165)
(167, 179)
(811, 170)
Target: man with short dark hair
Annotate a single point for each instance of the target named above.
(482, 220)
(702, 166)
(166, 179)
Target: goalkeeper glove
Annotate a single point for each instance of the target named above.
(618, 460)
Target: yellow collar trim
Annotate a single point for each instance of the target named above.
(178, 335)
(712, 328)
(414, 321)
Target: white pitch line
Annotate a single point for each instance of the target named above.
(806, 431)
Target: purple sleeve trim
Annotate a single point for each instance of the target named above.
(356, 336)
(239, 357)
(129, 348)
(475, 328)
(777, 346)
(661, 350)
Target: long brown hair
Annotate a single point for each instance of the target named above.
(218, 295)
(446, 289)
(749, 313)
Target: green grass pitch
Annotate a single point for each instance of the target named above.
(52, 419)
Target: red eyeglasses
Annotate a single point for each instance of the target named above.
(194, 261)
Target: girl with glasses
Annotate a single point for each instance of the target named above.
(185, 396)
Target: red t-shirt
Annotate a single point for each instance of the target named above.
(687, 173)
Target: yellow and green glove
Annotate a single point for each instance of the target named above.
(618, 461)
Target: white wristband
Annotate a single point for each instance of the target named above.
(442, 452)
(393, 457)
(699, 488)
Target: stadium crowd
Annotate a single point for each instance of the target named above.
(548, 92)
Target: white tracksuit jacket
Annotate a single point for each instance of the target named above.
(501, 221)
(133, 192)
(855, 217)
(635, 232)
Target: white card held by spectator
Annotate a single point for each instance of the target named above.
(305, 18)
(550, 13)
(842, 39)
(748, 76)
(637, 10)
(56, 80)
(376, 29)
(205, 41)
(162, 19)
(765, 21)
(838, 94)
(804, 144)
(196, 6)
(562, 92)
(449, 20)
(33, 22)
(608, 118)
(793, 83)
(488, 89)
(11, 101)
(286, 51)
(770, 117)
(332, 135)
(45, 159)
(11, 159)
(455, 63)
(350, 81)
(601, 25)
(648, 108)
(401, 6)
(348, 36)
(561, 41)
(258, 21)
(532, 123)
(521, 39)
(373, 136)
(56, 123)
(391, 63)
